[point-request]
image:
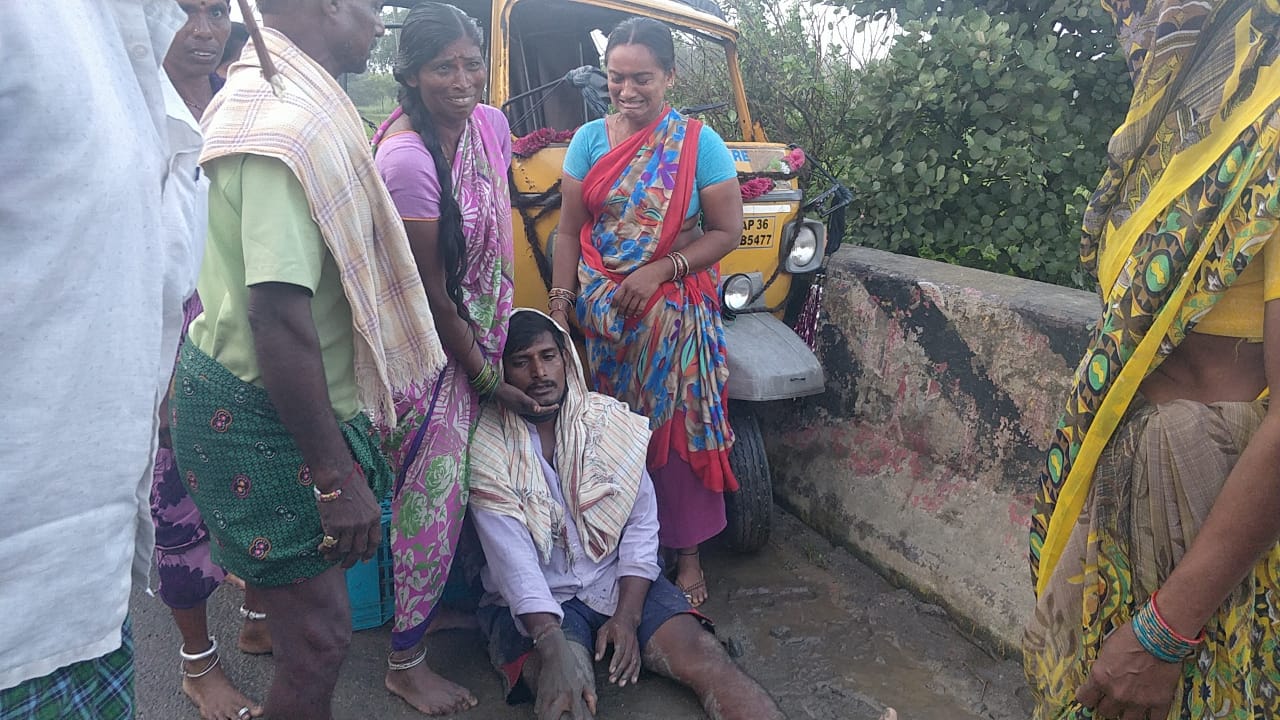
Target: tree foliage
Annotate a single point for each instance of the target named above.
(800, 75)
(974, 135)
(980, 136)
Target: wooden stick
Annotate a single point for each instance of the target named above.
(268, 67)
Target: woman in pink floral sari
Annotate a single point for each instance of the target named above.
(444, 158)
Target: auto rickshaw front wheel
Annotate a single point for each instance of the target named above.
(750, 509)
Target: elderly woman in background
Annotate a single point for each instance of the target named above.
(650, 205)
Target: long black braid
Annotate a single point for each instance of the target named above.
(428, 29)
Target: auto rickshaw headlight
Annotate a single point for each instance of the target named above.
(804, 252)
(737, 292)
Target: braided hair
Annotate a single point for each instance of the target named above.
(428, 29)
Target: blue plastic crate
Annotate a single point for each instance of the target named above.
(370, 585)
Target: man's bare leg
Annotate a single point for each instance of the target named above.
(203, 681)
(421, 687)
(310, 624)
(255, 637)
(683, 651)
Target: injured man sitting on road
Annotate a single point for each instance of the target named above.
(566, 514)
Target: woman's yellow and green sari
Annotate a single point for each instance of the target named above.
(1188, 201)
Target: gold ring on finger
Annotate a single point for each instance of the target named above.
(328, 541)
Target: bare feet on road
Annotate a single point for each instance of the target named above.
(213, 694)
(428, 692)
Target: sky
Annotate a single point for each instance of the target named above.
(865, 46)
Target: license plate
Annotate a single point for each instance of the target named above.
(758, 232)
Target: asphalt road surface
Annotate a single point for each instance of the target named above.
(829, 638)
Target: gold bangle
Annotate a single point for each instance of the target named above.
(562, 294)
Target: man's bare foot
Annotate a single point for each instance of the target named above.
(255, 637)
(452, 619)
(426, 691)
(212, 692)
(689, 577)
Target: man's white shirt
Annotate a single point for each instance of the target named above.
(101, 233)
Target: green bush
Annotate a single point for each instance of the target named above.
(976, 138)
(982, 133)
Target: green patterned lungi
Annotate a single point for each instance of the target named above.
(98, 689)
(247, 477)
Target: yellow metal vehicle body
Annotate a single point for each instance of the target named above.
(535, 47)
(513, 27)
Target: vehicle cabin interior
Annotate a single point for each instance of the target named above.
(548, 39)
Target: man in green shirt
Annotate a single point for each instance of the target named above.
(313, 311)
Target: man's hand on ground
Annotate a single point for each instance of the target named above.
(354, 519)
(566, 686)
(624, 667)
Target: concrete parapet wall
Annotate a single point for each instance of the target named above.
(923, 454)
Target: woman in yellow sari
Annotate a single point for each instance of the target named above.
(1164, 473)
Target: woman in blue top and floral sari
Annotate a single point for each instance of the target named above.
(650, 205)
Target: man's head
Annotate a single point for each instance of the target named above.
(197, 47)
(338, 34)
(535, 357)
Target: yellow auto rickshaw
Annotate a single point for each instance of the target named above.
(545, 73)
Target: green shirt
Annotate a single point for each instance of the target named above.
(261, 230)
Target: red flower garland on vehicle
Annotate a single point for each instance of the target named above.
(794, 159)
(757, 184)
(755, 187)
(530, 144)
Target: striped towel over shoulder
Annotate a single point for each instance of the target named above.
(600, 454)
(315, 130)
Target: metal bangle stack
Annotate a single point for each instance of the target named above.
(681, 266)
(562, 299)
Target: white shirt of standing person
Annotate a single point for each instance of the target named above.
(101, 232)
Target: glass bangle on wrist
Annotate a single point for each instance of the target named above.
(486, 382)
(680, 266)
(1159, 639)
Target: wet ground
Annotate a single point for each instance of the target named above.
(824, 634)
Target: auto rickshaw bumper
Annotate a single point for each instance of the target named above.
(768, 361)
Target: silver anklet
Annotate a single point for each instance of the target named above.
(248, 614)
(188, 658)
(409, 664)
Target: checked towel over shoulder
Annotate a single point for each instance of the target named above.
(314, 129)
